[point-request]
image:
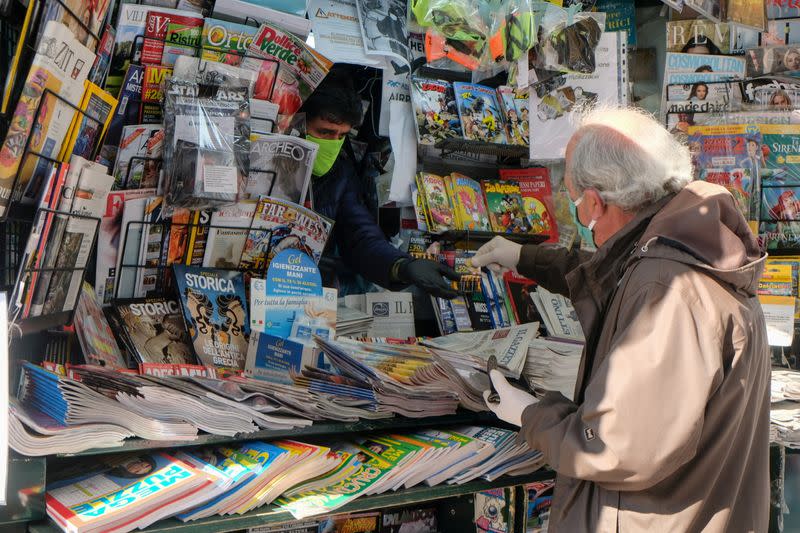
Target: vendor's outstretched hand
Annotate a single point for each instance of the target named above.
(429, 276)
(513, 401)
(497, 255)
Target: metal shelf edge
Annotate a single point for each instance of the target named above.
(393, 423)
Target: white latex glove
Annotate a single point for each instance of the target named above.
(497, 255)
(513, 401)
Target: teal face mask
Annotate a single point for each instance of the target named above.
(584, 231)
(326, 155)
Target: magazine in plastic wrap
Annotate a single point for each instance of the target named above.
(280, 167)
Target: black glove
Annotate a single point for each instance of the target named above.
(427, 275)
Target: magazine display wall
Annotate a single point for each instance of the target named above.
(84, 161)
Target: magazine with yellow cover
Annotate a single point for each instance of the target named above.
(12, 69)
(89, 127)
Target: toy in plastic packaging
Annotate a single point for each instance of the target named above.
(457, 30)
(207, 154)
(567, 41)
(515, 31)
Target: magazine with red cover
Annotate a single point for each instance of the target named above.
(537, 198)
(519, 290)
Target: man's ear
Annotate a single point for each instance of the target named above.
(597, 207)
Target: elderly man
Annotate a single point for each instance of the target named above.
(669, 427)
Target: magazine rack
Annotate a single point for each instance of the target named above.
(448, 147)
(197, 51)
(26, 273)
(158, 268)
(45, 163)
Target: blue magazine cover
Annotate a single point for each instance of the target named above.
(480, 113)
(215, 311)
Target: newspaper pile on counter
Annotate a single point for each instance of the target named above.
(352, 322)
(785, 408)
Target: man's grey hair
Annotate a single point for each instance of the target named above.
(628, 157)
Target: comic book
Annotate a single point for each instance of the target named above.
(779, 227)
(109, 243)
(780, 154)
(227, 234)
(537, 198)
(155, 329)
(61, 65)
(728, 155)
(87, 129)
(300, 68)
(168, 35)
(125, 113)
(469, 206)
(506, 207)
(226, 42)
(436, 199)
(480, 113)
(279, 225)
(435, 109)
(138, 163)
(280, 167)
(215, 312)
(682, 34)
(494, 510)
(155, 76)
(514, 103)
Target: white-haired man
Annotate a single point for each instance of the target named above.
(668, 430)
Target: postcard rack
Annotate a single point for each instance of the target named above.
(149, 250)
(32, 174)
(52, 281)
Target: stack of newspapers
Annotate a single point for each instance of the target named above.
(352, 322)
(552, 365)
(560, 318)
(304, 479)
(785, 408)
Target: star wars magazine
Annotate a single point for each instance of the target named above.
(215, 313)
(207, 156)
(155, 330)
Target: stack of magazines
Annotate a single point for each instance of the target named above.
(785, 408)
(304, 479)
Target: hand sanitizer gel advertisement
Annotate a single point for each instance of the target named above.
(287, 309)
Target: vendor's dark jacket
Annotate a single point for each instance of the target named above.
(356, 238)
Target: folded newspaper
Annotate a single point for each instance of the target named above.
(473, 349)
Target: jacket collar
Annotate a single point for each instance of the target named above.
(596, 279)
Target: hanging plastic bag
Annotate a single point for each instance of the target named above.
(207, 155)
(567, 40)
